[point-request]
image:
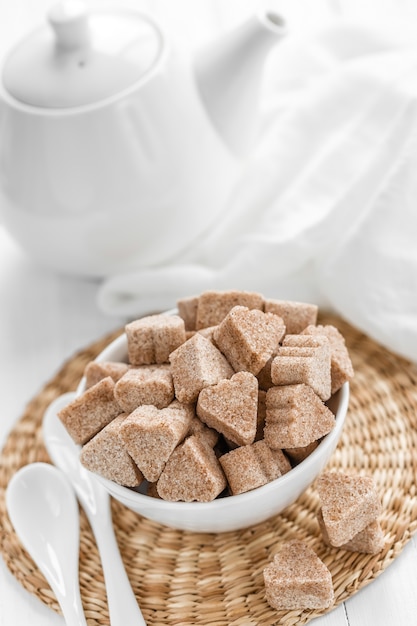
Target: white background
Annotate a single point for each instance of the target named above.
(45, 318)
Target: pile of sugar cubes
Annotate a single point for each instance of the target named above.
(221, 398)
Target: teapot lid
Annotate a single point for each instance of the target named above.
(82, 57)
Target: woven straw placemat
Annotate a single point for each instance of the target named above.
(191, 579)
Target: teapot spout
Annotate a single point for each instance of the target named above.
(229, 73)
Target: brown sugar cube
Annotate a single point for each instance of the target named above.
(95, 371)
(284, 464)
(106, 455)
(248, 338)
(150, 435)
(213, 306)
(207, 332)
(252, 466)
(296, 315)
(88, 413)
(303, 361)
(298, 579)
(244, 469)
(151, 339)
(196, 364)
(231, 407)
(348, 503)
(192, 473)
(273, 462)
(341, 368)
(370, 540)
(209, 435)
(187, 310)
(145, 384)
(295, 417)
(299, 454)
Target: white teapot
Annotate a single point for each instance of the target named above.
(116, 149)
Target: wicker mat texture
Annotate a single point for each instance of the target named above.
(190, 579)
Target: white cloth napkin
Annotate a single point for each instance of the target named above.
(326, 207)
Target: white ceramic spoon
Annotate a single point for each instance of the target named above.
(123, 607)
(44, 512)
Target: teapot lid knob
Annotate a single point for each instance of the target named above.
(83, 57)
(70, 23)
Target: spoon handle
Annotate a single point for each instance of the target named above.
(72, 609)
(123, 606)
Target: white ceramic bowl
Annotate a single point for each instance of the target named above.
(230, 512)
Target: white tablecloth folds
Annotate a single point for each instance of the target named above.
(325, 210)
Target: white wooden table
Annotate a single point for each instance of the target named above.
(45, 319)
